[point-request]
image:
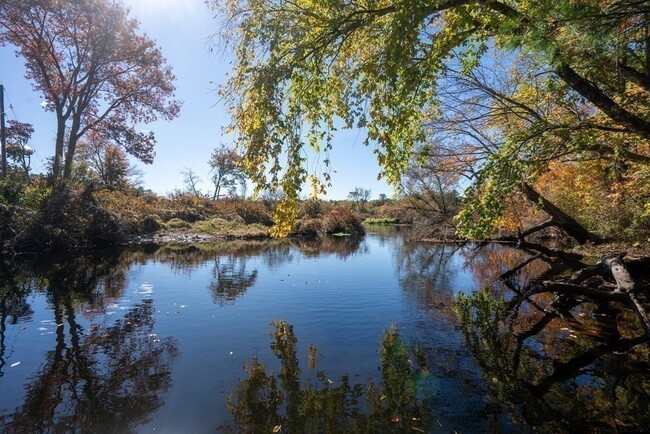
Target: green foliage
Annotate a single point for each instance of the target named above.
(20, 206)
(380, 221)
(384, 67)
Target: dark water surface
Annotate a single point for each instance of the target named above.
(155, 340)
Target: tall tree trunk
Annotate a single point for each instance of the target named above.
(69, 157)
(58, 149)
(72, 146)
(561, 219)
(217, 187)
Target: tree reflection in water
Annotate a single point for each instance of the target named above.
(269, 402)
(230, 279)
(583, 371)
(95, 380)
(342, 247)
(426, 271)
(557, 377)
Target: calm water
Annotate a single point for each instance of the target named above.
(155, 340)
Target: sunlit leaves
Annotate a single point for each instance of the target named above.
(305, 68)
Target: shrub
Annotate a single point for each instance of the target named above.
(311, 208)
(253, 212)
(342, 220)
(307, 227)
(150, 224)
(214, 226)
(177, 223)
(70, 220)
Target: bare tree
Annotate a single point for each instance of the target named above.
(191, 182)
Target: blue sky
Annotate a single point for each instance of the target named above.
(181, 28)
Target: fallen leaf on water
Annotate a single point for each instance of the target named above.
(15, 364)
(277, 428)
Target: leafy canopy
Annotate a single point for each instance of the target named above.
(305, 67)
(94, 68)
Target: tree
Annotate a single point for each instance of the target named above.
(95, 70)
(107, 160)
(226, 170)
(18, 150)
(379, 65)
(191, 181)
(431, 193)
(359, 195)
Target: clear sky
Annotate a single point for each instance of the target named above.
(181, 28)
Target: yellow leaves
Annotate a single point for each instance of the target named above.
(285, 215)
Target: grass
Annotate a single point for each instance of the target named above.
(380, 221)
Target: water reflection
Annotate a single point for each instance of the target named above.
(14, 308)
(567, 375)
(230, 279)
(97, 378)
(510, 363)
(341, 247)
(97, 381)
(426, 272)
(269, 402)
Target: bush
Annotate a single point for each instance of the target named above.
(70, 220)
(307, 227)
(150, 224)
(342, 221)
(253, 212)
(214, 226)
(20, 206)
(177, 223)
(311, 208)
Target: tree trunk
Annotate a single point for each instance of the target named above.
(72, 147)
(69, 158)
(614, 263)
(58, 149)
(601, 100)
(561, 219)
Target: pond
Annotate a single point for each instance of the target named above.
(337, 335)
